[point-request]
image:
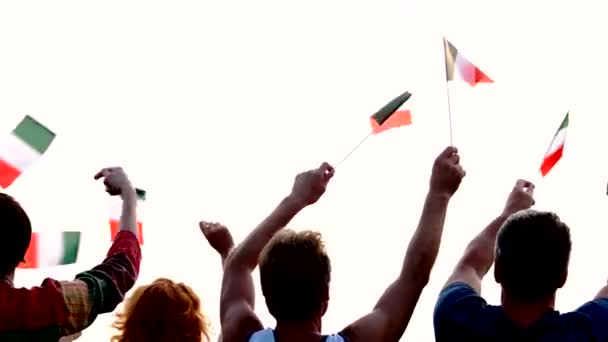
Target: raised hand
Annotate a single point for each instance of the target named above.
(309, 186)
(447, 172)
(115, 180)
(520, 198)
(218, 236)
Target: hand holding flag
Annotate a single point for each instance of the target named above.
(447, 173)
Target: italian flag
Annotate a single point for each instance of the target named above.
(116, 210)
(457, 64)
(392, 115)
(52, 249)
(27, 142)
(556, 150)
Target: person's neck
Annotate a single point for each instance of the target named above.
(526, 313)
(288, 330)
(9, 278)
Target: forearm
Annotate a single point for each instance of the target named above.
(128, 216)
(479, 254)
(109, 281)
(246, 254)
(424, 245)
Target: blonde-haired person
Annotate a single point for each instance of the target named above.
(162, 311)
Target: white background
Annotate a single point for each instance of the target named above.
(213, 107)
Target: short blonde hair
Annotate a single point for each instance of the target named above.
(162, 311)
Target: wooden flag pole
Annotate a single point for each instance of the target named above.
(447, 86)
(354, 149)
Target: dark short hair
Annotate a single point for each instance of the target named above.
(16, 232)
(295, 273)
(532, 255)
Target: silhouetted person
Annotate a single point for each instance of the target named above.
(532, 250)
(295, 269)
(63, 308)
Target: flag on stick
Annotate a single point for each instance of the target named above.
(556, 149)
(26, 143)
(49, 249)
(392, 115)
(386, 118)
(116, 210)
(456, 63)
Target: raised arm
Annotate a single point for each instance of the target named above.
(479, 254)
(392, 313)
(237, 299)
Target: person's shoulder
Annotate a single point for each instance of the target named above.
(458, 295)
(31, 309)
(460, 308)
(590, 319)
(264, 335)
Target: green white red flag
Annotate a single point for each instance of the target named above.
(456, 65)
(26, 143)
(116, 210)
(48, 249)
(556, 149)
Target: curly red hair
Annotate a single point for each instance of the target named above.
(162, 311)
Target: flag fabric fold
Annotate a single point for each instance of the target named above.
(48, 249)
(392, 115)
(116, 210)
(456, 65)
(26, 143)
(556, 149)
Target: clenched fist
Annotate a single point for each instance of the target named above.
(115, 180)
(218, 236)
(520, 198)
(447, 172)
(309, 186)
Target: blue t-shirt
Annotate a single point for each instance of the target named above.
(462, 315)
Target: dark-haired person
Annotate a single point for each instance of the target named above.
(531, 250)
(63, 308)
(295, 269)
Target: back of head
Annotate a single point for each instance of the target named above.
(532, 255)
(16, 232)
(162, 311)
(295, 273)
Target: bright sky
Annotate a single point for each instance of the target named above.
(213, 107)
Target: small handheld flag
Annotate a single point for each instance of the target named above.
(26, 143)
(48, 249)
(386, 118)
(457, 64)
(556, 149)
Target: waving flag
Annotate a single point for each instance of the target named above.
(392, 115)
(49, 249)
(27, 142)
(556, 149)
(116, 210)
(457, 65)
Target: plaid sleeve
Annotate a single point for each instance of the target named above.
(79, 304)
(102, 288)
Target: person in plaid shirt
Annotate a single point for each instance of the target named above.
(63, 308)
